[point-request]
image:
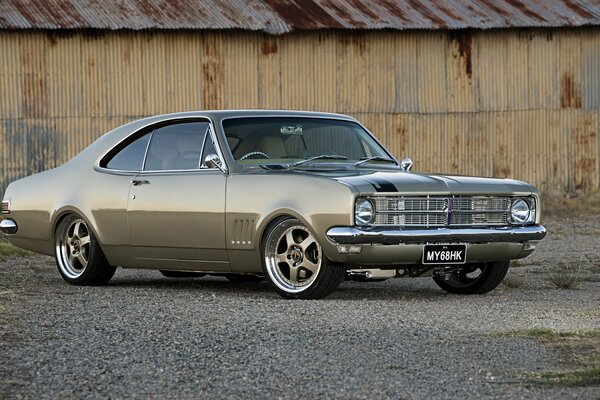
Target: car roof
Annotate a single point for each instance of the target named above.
(115, 136)
(217, 115)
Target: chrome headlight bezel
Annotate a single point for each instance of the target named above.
(522, 211)
(364, 211)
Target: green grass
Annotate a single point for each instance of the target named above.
(580, 348)
(513, 282)
(566, 276)
(571, 204)
(579, 377)
(8, 250)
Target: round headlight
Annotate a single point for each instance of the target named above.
(519, 211)
(363, 212)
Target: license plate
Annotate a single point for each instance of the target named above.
(444, 254)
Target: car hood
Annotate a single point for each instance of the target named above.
(408, 182)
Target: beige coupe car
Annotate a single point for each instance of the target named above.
(301, 199)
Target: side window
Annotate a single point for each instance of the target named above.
(131, 157)
(176, 147)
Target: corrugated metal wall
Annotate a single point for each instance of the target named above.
(522, 104)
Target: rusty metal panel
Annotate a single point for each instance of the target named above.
(352, 71)
(277, 17)
(324, 52)
(33, 77)
(543, 68)
(185, 82)
(518, 71)
(136, 15)
(584, 150)
(212, 71)
(432, 73)
(460, 75)
(65, 92)
(381, 73)
(11, 71)
(529, 111)
(297, 78)
(428, 133)
(269, 72)
(569, 69)
(493, 70)
(407, 72)
(241, 69)
(590, 58)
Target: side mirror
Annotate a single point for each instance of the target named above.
(213, 161)
(406, 164)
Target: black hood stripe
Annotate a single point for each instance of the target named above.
(382, 185)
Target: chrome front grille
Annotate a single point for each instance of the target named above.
(436, 211)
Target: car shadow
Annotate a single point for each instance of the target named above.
(346, 291)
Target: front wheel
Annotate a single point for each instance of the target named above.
(473, 278)
(294, 263)
(79, 258)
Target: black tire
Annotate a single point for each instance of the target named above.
(299, 258)
(244, 278)
(181, 274)
(490, 275)
(78, 255)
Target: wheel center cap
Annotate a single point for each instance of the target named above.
(296, 255)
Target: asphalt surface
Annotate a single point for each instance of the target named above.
(146, 336)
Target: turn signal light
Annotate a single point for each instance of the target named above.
(6, 207)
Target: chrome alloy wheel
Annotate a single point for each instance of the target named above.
(73, 249)
(293, 257)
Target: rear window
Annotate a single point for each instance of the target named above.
(131, 157)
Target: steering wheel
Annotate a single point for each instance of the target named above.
(254, 153)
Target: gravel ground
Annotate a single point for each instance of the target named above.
(149, 336)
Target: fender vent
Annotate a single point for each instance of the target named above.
(6, 207)
(243, 229)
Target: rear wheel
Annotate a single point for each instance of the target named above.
(79, 257)
(474, 278)
(294, 263)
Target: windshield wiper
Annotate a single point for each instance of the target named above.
(374, 158)
(321, 157)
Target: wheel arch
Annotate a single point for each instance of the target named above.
(64, 212)
(273, 218)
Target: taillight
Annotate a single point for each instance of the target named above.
(6, 207)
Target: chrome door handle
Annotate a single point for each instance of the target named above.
(137, 182)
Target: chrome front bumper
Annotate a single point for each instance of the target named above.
(8, 226)
(356, 235)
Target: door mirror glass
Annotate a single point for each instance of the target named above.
(406, 164)
(213, 161)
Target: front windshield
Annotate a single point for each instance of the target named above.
(296, 140)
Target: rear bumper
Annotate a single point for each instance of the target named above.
(8, 226)
(366, 236)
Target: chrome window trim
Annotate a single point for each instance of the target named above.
(282, 115)
(200, 161)
(99, 168)
(147, 147)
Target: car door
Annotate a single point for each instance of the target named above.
(176, 207)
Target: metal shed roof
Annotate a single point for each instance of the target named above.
(282, 16)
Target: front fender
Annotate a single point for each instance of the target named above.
(255, 200)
